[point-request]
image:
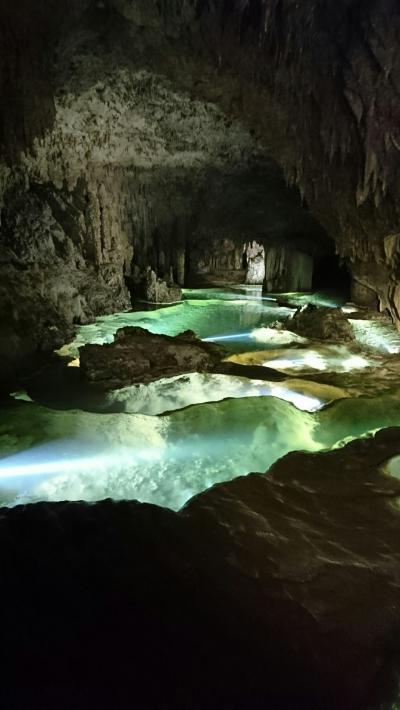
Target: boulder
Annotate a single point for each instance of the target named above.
(317, 323)
(138, 356)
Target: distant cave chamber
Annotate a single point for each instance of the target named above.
(330, 272)
(274, 267)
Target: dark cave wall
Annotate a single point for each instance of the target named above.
(28, 38)
(318, 83)
(330, 74)
(314, 86)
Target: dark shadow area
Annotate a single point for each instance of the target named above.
(330, 273)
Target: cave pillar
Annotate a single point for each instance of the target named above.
(287, 270)
(178, 243)
(239, 258)
(255, 256)
(180, 257)
(299, 272)
(274, 269)
(93, 220)
(161, 262)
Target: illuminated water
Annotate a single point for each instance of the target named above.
(316, 299)
(393, 467)
(311, 359)
(221, 315)
(377, 335)
(179, 392)
(170, 440)
(73, 455)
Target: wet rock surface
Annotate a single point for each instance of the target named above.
(376, 380)
(138, 356)
(277, 590)
(315, 323)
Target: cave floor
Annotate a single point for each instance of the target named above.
(165, 442)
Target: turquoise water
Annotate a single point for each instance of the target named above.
(229, 317)
(54, 455)
(227, 320)
(218, 427)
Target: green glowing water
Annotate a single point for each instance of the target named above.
(222, 427)
(174, 393)
(214, 313)
(54, 455)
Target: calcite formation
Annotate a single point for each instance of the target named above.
(137, 356)
(287, 270)
(255, 262)
(156, 290)
(146, 136)
(327, 73)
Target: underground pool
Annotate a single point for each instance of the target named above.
(167, 441)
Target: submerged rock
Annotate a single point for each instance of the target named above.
(321, 324)
(138, 356)
(275, 590)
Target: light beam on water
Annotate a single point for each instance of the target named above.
(168, 459)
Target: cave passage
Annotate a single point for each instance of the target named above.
(330, 273)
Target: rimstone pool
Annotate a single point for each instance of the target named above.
(165, 442)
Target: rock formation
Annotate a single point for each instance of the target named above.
(287, 270)
(255, 261)
(276, 590)
(138, 356)
(321, 324)
(208, 85)
(327, 77)
(156, 290)
(135, 151)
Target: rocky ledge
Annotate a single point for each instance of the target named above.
(276, 590)
(318, 323)
(138, 356)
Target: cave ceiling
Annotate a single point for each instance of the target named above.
(123, 98)
(268, 121)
